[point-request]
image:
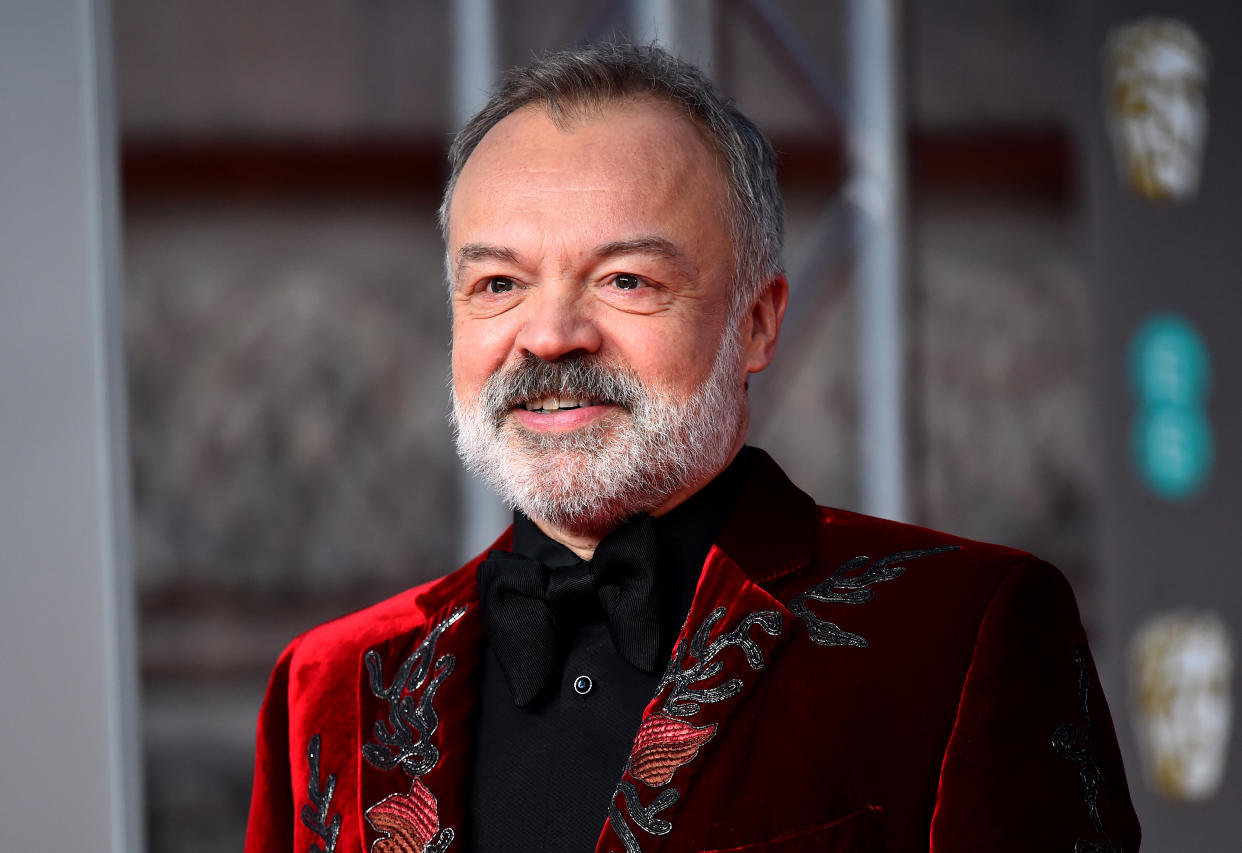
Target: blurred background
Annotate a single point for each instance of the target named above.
(1009, 321)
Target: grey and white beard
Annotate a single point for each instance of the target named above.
(591, 479)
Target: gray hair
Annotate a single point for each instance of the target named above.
(567, 83)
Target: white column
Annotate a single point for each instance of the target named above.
(69, 777)
(475, 69)
(878, 189)
(475, 56)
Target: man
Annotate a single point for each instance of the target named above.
(672, 648)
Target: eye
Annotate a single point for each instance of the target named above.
(627, 281)
(500, 284)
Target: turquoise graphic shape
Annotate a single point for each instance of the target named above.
(1173, 450)
(1169, 362)
(1171, 438)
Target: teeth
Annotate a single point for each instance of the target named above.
(554, 404)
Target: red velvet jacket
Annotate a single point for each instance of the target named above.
(841, 683)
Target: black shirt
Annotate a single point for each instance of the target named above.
(542, 775)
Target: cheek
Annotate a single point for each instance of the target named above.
(468, 363)
(480, 348)
(672, 359)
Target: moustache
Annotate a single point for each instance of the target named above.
(578, 377)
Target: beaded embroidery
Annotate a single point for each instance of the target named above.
(846, 588)
(1075, 744)
(664, 743)
(410, 822)
(316, 819)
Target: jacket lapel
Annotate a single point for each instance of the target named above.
(418, 692)
(417, 696)
(734, 630)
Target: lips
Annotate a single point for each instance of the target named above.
(537, 388)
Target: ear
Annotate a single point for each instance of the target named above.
(761, 327)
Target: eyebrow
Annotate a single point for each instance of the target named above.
(473, 252)
(647, 245)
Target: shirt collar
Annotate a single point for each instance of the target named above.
(686, 533)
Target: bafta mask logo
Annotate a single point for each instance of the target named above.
(1155, 73)
(1183, 663)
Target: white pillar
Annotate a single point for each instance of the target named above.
(878, 189)
(475, 56)
(475, 69)
(70, 774)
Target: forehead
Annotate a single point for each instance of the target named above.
(625, 159)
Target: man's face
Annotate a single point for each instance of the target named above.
(593, 265)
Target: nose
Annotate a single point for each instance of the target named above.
(558, 323)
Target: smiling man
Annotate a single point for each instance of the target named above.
(600, 354)
(672, 647)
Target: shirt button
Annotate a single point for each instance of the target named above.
(583, 685)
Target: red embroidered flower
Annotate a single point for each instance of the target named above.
(409, 820)
(662, 745)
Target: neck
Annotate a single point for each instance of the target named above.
(584, 541)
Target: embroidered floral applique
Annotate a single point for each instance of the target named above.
(316, 819)
(845, 587)
(664, 742)
(1075, 744)
(410, 822)
(662, 745)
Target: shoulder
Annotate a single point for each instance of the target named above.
(841, 531)
(790, 546)
(337, 645)
(842, 536)
(917, 581)
(779, 536)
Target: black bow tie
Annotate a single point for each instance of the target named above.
(530, 610)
